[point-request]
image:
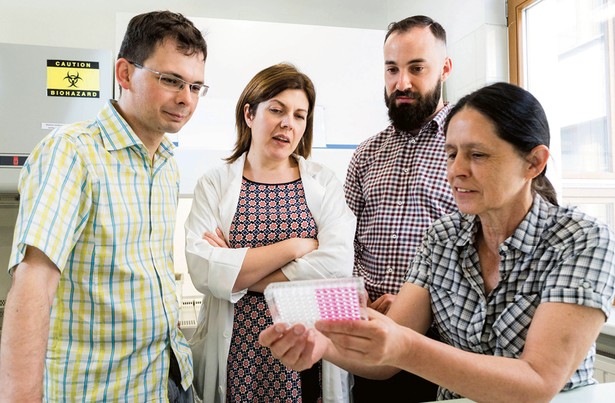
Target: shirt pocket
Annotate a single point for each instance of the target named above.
(511, 327)
(443, 308)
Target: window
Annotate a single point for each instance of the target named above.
(563, 51)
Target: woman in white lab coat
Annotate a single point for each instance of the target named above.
(267, 215)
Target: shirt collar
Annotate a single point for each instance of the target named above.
(117, 134)
(437, 123)
(526, 236)
(529, 232)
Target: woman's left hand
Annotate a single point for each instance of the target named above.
(216, 239)
(377, 341)
(295, 346)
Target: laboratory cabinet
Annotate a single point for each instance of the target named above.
(604, 369)
(604, 366)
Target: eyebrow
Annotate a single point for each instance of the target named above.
(284, 105)
(465, 145)
(181, 77)
(413, 61)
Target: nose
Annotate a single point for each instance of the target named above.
(457, 166)
(403, 81)
(287, 122)
(185, 96)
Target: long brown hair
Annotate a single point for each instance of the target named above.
(265, 85)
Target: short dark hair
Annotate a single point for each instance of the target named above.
(146, 31)
(265, 85)
(415, 21)
(518, 118)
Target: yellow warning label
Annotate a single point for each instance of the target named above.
(72, 78)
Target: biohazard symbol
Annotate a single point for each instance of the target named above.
(72, 79)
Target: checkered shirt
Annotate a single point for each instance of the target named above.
(396, 186)
(556, 254)
(94, 202)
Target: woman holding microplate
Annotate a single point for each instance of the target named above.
(517, 286)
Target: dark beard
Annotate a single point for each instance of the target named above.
(411, 117)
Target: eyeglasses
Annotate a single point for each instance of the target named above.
(173, 83)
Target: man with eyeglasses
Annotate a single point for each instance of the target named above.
(92, 314)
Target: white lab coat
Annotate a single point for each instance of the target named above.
(214, 270)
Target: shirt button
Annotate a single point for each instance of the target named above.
(394, 236)
(227, 334)
(389, 269)
(586, 285)
(400, 203)
(406, 170)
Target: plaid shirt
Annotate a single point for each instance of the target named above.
(396, 185)
(94, 202)
(556, 254)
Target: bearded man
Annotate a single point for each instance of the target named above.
(396, 181)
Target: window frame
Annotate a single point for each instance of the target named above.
(514, 22)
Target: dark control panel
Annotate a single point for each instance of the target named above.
(12, 160)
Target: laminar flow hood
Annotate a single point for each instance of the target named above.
(42, 88)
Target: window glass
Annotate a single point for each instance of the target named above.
(568, 62)
(569, 67)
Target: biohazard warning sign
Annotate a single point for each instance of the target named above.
(71, 78)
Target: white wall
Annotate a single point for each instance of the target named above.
(91, 24)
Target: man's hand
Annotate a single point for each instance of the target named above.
(383, 303)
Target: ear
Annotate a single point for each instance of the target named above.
(123, 70)
(446, 69)
(247, 115)
(537, 160)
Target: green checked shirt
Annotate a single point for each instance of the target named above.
(94, 202)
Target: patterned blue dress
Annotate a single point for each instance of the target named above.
(266, 214)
